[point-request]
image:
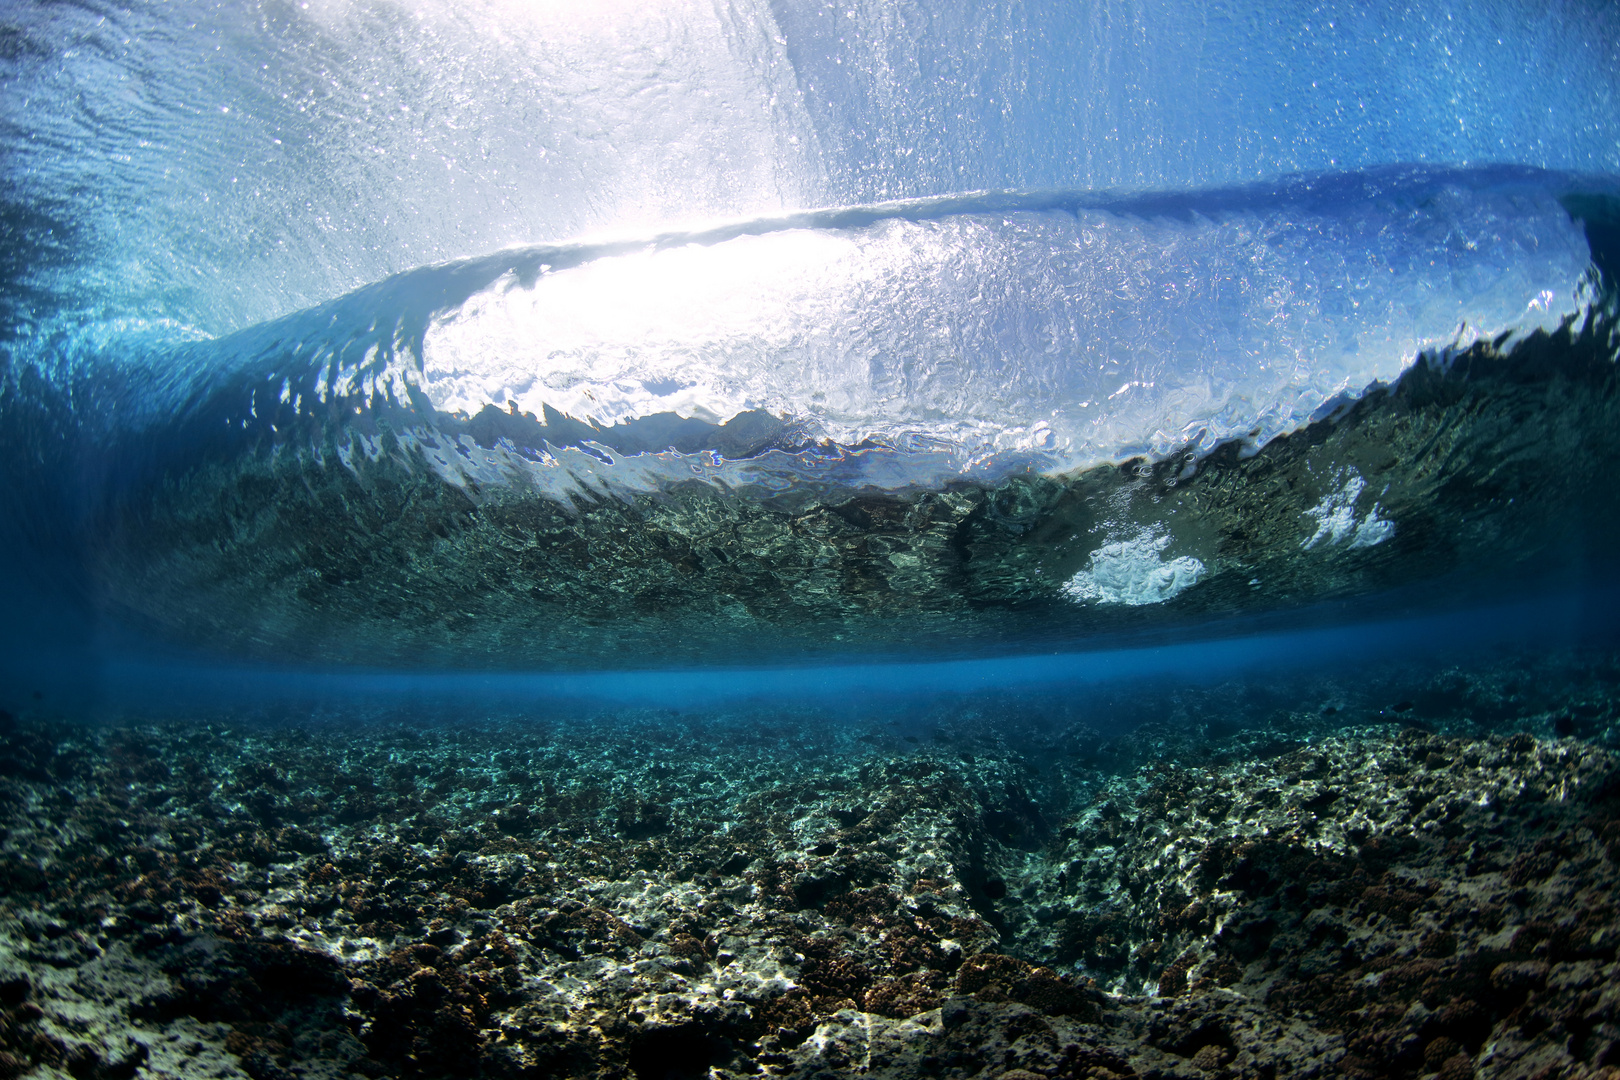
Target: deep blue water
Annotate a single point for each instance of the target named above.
(399, 357)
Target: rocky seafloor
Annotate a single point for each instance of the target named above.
(1407, 873)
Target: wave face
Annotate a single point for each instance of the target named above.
(987, 420)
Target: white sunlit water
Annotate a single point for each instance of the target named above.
(220, 163)
(972, 336)
(1082, 334)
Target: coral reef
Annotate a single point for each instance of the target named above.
(1309, 879)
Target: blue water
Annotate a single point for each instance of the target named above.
(1066, 684)
(666, 354)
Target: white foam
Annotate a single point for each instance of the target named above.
(1336, 521)
(1134, 572)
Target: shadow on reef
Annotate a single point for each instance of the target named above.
(1409, 874)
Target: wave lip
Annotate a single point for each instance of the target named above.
(1078, 332)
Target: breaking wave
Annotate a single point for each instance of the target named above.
(945, 423)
